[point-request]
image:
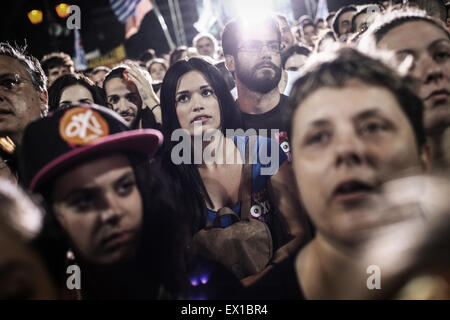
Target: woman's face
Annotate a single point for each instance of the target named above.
(346, 143)
(76, 94)
(429, 48)
(157, 71)
(196, 103)
(99, 207)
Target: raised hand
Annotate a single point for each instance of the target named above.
(143, 81)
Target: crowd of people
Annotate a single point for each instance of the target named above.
(284, 160)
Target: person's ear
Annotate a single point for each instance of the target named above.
(43, 99)
(425, 157)
(230, 63)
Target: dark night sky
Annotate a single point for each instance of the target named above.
(99, 27)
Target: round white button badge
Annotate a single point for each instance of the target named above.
(255, 211)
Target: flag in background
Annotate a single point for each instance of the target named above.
(131, 13)
(322, 9)
(80, 57)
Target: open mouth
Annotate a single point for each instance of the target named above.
(201, 118)
(352, 190)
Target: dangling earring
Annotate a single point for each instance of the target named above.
(70, 256)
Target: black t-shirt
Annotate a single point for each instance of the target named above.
(272, 119)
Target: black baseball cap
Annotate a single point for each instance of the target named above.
(70, 135)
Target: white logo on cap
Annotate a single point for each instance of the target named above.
(81, 123)
(82, 126)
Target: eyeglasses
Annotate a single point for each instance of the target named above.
(257, 46)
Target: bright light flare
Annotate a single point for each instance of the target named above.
(252, 11)
(63, 10)
(35, 16)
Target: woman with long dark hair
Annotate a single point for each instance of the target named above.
(106, 206)
(73, 89)
(195, 104)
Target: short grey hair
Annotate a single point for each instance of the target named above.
(30, 63)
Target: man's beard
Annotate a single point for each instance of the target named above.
(262, 85)
(134, 124)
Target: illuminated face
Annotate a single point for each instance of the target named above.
(123, 98)
(346, 143)
(295, 62)
(56, 72)
(196, 103)
(205, 47)
(258, 61)
(99, 207)
(76, 94)
(157, 71)
(429, 48)
(345, 22)
(20, 102)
